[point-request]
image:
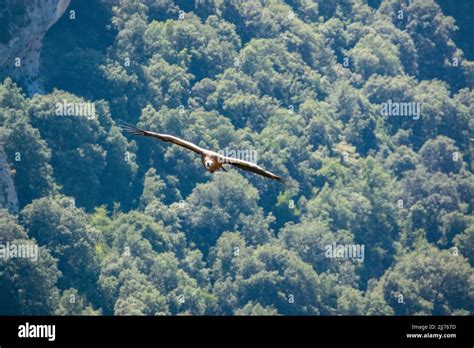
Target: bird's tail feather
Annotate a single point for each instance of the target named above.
(130, 128)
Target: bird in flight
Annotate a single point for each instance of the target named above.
(211, 160)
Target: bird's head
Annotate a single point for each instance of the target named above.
(208, 163)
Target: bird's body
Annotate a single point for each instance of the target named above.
(211, 160)
(211, 163)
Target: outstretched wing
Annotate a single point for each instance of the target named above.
(252, 167)
(130, 128)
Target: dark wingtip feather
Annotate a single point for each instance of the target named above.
(130, 128)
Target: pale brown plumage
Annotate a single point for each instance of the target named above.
(211, 160)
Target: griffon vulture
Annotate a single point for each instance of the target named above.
(211, 160)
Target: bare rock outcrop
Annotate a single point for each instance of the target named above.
(8, 196)
(23, 24)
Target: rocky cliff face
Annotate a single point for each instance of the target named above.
(23, 24)
(8, 197)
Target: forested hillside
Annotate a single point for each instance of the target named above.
(365, 107)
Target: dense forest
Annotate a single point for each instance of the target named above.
(365, 106)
